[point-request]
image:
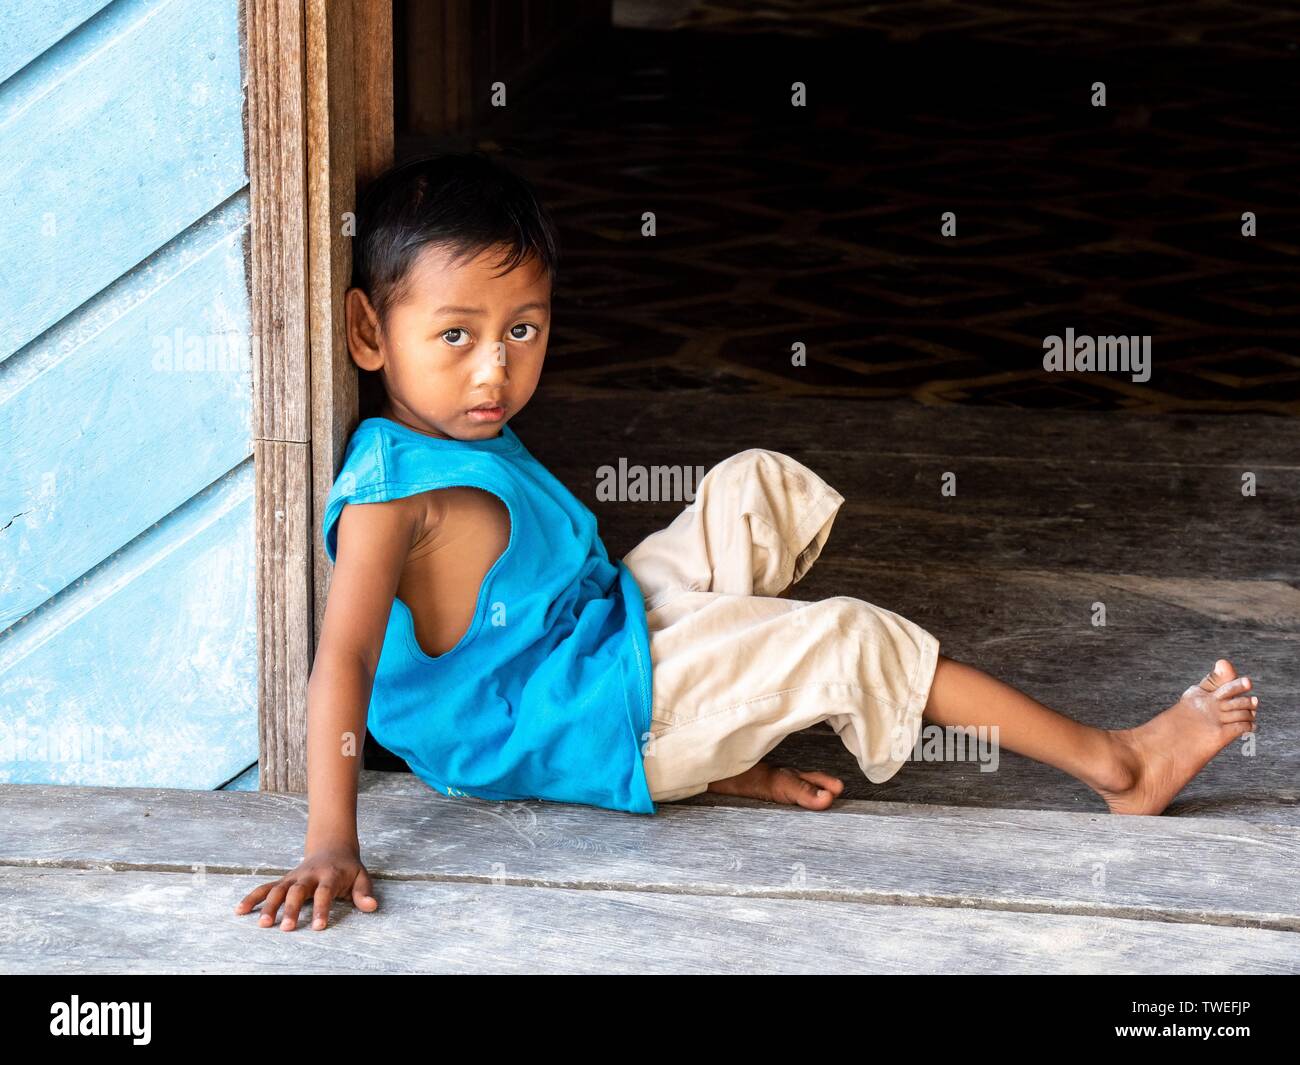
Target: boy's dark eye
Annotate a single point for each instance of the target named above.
(521, 325)
(452, 342)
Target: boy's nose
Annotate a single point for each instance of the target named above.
(492, 362)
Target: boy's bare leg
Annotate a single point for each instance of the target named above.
(1137, 770)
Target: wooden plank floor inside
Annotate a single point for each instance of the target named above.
(945, 868)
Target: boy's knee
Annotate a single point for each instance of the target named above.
(849, 612)
(783, 478)
(761, 461)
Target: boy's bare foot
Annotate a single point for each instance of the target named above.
(794, 787)
(1156, 760)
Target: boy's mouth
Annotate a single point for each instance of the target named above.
(486, 412)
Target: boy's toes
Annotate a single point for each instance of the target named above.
(811, 790)
(1222, 672)
(1241, 708)
(824, 780)
(1233, 689)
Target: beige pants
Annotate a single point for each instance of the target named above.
(736, 670)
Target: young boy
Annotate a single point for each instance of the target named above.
(477, 625)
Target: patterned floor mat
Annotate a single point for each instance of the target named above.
(820, 225)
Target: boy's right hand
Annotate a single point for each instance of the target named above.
(323, 875)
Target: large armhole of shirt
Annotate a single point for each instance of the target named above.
(407, 618)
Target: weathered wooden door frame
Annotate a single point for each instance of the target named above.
(320, 123)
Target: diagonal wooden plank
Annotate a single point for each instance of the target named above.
(142, 671)
(29, 30)
(151, 376)
(1181, 870)
(165, 78)
(72, 921)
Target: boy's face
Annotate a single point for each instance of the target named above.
(459, 338)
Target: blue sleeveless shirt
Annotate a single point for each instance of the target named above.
(548, 693)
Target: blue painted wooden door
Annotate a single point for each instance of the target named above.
(128, 651)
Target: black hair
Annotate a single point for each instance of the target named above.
(465, 202)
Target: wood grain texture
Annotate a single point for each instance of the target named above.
(127, 637)
(332, 128)
(1199, 870)
(66, 921)
(454, 51)
(722, 425)
(422, 39)
(28, 30)
(466, 883)
(275, 35)
(319, 107)
(123, 411)
(350, 137)
(284, 591)
(164, 75)
(373, 87)
(279, 165)
(142, 672)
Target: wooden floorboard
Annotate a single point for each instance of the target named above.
(592, 422)
(87, 921)
(1189, 522)
(1104, 493)
(1164, 869)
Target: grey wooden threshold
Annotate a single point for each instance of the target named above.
(145, 880)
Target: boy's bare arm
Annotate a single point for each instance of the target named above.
(374, 540)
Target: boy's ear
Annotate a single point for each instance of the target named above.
(362, 330)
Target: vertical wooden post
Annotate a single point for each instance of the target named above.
(436, 38)
(319, 113)
(373, 69)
